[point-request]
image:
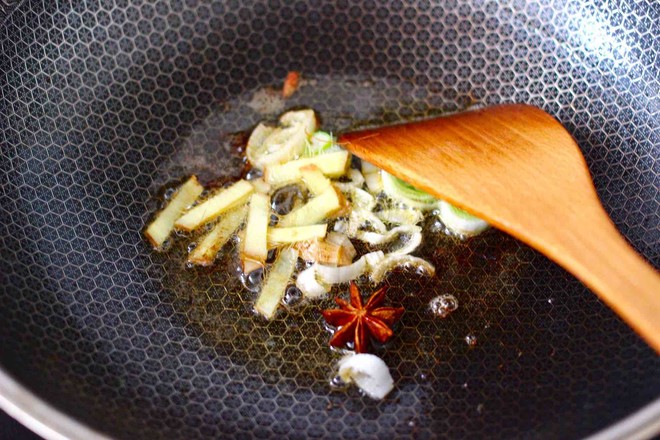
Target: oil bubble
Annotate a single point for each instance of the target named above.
(254, 173)
(252, 281)
(442, 305)
(292, 296)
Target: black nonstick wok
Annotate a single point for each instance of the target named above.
(103, 104)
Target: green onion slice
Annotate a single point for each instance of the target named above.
(406, 193)
(321, 142)
(460, 221)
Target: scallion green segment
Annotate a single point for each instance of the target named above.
(406, 193)
(461, 213)
(320, 142)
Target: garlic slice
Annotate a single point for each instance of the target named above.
(368, 372)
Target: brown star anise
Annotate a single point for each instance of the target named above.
(358, 322)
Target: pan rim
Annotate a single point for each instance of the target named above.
(51, 423)
(39, 416)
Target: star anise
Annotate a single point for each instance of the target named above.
(358, 322)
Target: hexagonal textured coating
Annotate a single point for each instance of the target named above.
(101, 103)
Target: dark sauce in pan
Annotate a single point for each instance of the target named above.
(216, 302)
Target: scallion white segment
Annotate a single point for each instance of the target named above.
(303, 118)
(360, 218)
(392, 261)
(342, 274)
(268, 145)
(281, 145)
(459, 221)
(309, 285)
(316, 280)
(406, 216)
(357, 180)
(276, 282)
(413, 233)
(372, 177)
(255, 145)
(362, 199)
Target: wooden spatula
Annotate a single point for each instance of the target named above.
(516, 167)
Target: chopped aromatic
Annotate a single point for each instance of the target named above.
(406, 193)
(208, 210)
(279, 236)
(205, 252)
(321, 142)
(317, 209)
(400, 216)
(317, 279)
(327, 209)
(368, 372)
(337, 275)
(356, 181)
(372, 177)
(255, 245)
(275, 284)
(310, 287)
(161, 227)
(392, 261)
(343, 241)
(276, 145)
(304, 118)
(324, 252)
(413, 233)
(332, 165)
(314, 179)
(460, 222)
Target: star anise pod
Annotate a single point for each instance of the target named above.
(358, 322)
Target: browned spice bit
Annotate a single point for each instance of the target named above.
(358, 322)
(238, 141)
(291, 84)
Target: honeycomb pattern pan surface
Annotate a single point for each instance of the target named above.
(105, 103)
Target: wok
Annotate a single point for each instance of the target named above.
(102, 103)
